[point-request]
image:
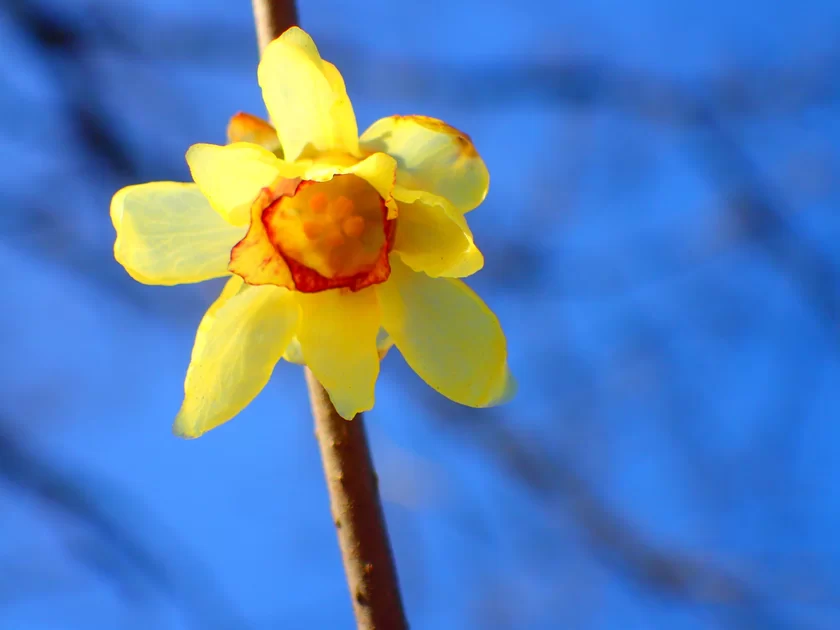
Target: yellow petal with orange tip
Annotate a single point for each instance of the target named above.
(306, 98)
(338, 335)
(433, 237)
(432, 156)
(167, 233)
(232, 175)
(447, 335)
(238, 343)
(247, 128)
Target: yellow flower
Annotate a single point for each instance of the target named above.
(335, 247)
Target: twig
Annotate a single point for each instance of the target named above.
(354, 498)
(351, 480)
(272, 17)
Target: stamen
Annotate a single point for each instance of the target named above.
(313, 229)
(334, 239)
(353, 226)
(343, 207)
(319, 202)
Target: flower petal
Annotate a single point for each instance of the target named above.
(231, 176)
(447, 335)
(433, 237)
(432, 156)
(254, 258)
(247, 128)
(237, 345)
(379, 170)
(306, 98)
(293, 353)
(383, 343)
(167, 233)
(338, 342)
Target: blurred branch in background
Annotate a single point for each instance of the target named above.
(708, 111)
(111, 549)
(734, 599)
(706, 108)
(66, 47)
(745, 92)
(92, 146)
(554, 479)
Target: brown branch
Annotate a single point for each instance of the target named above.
(348, 467)
(272, 17)
(359, 521)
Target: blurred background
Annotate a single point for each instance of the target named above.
(661, 243)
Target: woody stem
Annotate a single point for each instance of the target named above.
(357, 513)
(351, 480)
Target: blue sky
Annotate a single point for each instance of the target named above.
(666, 278)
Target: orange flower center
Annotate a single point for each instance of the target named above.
(332, 234)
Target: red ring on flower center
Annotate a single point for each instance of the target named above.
(309, 280)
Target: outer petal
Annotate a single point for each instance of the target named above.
(306, 98)
(247, 128)
(167, 233)
(433, 237)
(239, 341)
(447, 335)
(231, 176)
(338, 342)
(432, 156)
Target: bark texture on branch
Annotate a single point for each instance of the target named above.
(357, 513)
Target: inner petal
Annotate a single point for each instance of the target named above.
(333, 233)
